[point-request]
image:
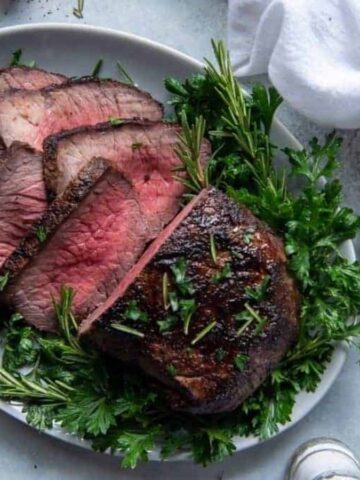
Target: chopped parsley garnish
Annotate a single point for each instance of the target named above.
(171, 369)
(134, 313)
(4, 281)
(136, 145)
(168, 323)
(116, 121)
(16, 60)
(183, 283)
(258, 293)
(220, 354)
(248, 235)
(223, 274)
(240, 362)
(41, 233)
(187, 309)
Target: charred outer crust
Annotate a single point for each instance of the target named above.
(50, 148)
(202, 384)
(57, 212)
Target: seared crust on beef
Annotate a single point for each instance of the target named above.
(27, 78)
(201, 382)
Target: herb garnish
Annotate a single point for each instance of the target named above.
(124, 74)
(204, 332)
(223, 274)
(16, 60)
(97, 68)
(116, 121)
(240, 361)
(136, 145)
(126, 329)
(248, 235)
(4, 281)
(172, 370)
(134, 313)
(258, 293)
(41, 233)
(220, 354)
(183, 283)
(78, 11)
(213, 249)
(168, 323)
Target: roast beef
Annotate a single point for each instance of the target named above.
(143, 152)
(22, 195)
(94, 237)
(31, 116)
(21, 77)
(208, 310)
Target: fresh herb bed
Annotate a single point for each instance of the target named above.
(76, 387)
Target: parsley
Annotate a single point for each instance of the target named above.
(134, 313)
(16, 60)
(171, 369)
(223, 274)
(4, 279)
(183, 283)
(136, 145)
(248, 235)
(167, 324)
(258, 293)
(240, 362)
(220, 354)
(115, 121)
(41, 233)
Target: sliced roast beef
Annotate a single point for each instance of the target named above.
(31, 116)
(27, 78)
(90, 250)
(22, 195)
(143, 152)
(209, 309)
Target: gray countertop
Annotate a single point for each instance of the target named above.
(25, 454)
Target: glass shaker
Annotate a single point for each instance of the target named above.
(323, 458)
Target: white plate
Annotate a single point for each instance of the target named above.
(73, 50)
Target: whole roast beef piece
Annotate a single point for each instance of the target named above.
(208, 310)
(31, 116)
(27, 78)
(22, 195)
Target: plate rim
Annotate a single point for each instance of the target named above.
(341, 350)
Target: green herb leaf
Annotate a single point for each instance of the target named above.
(4, 279)
(223, 274)
(41, 233)
(240, 362)
(97, 68)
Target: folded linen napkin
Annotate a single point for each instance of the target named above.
(310, 49)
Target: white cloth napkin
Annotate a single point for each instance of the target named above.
(310, 49)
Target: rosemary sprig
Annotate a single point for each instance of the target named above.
(203, 332)
(79, 10)
(126, 329)
(189, 151)
(97, 68)
(213, 250)
(125, 74)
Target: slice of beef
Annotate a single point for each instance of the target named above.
(206, 268)
(22, 195)
(27, 78)
(31, 116)
(90, 250)
(143, 152)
